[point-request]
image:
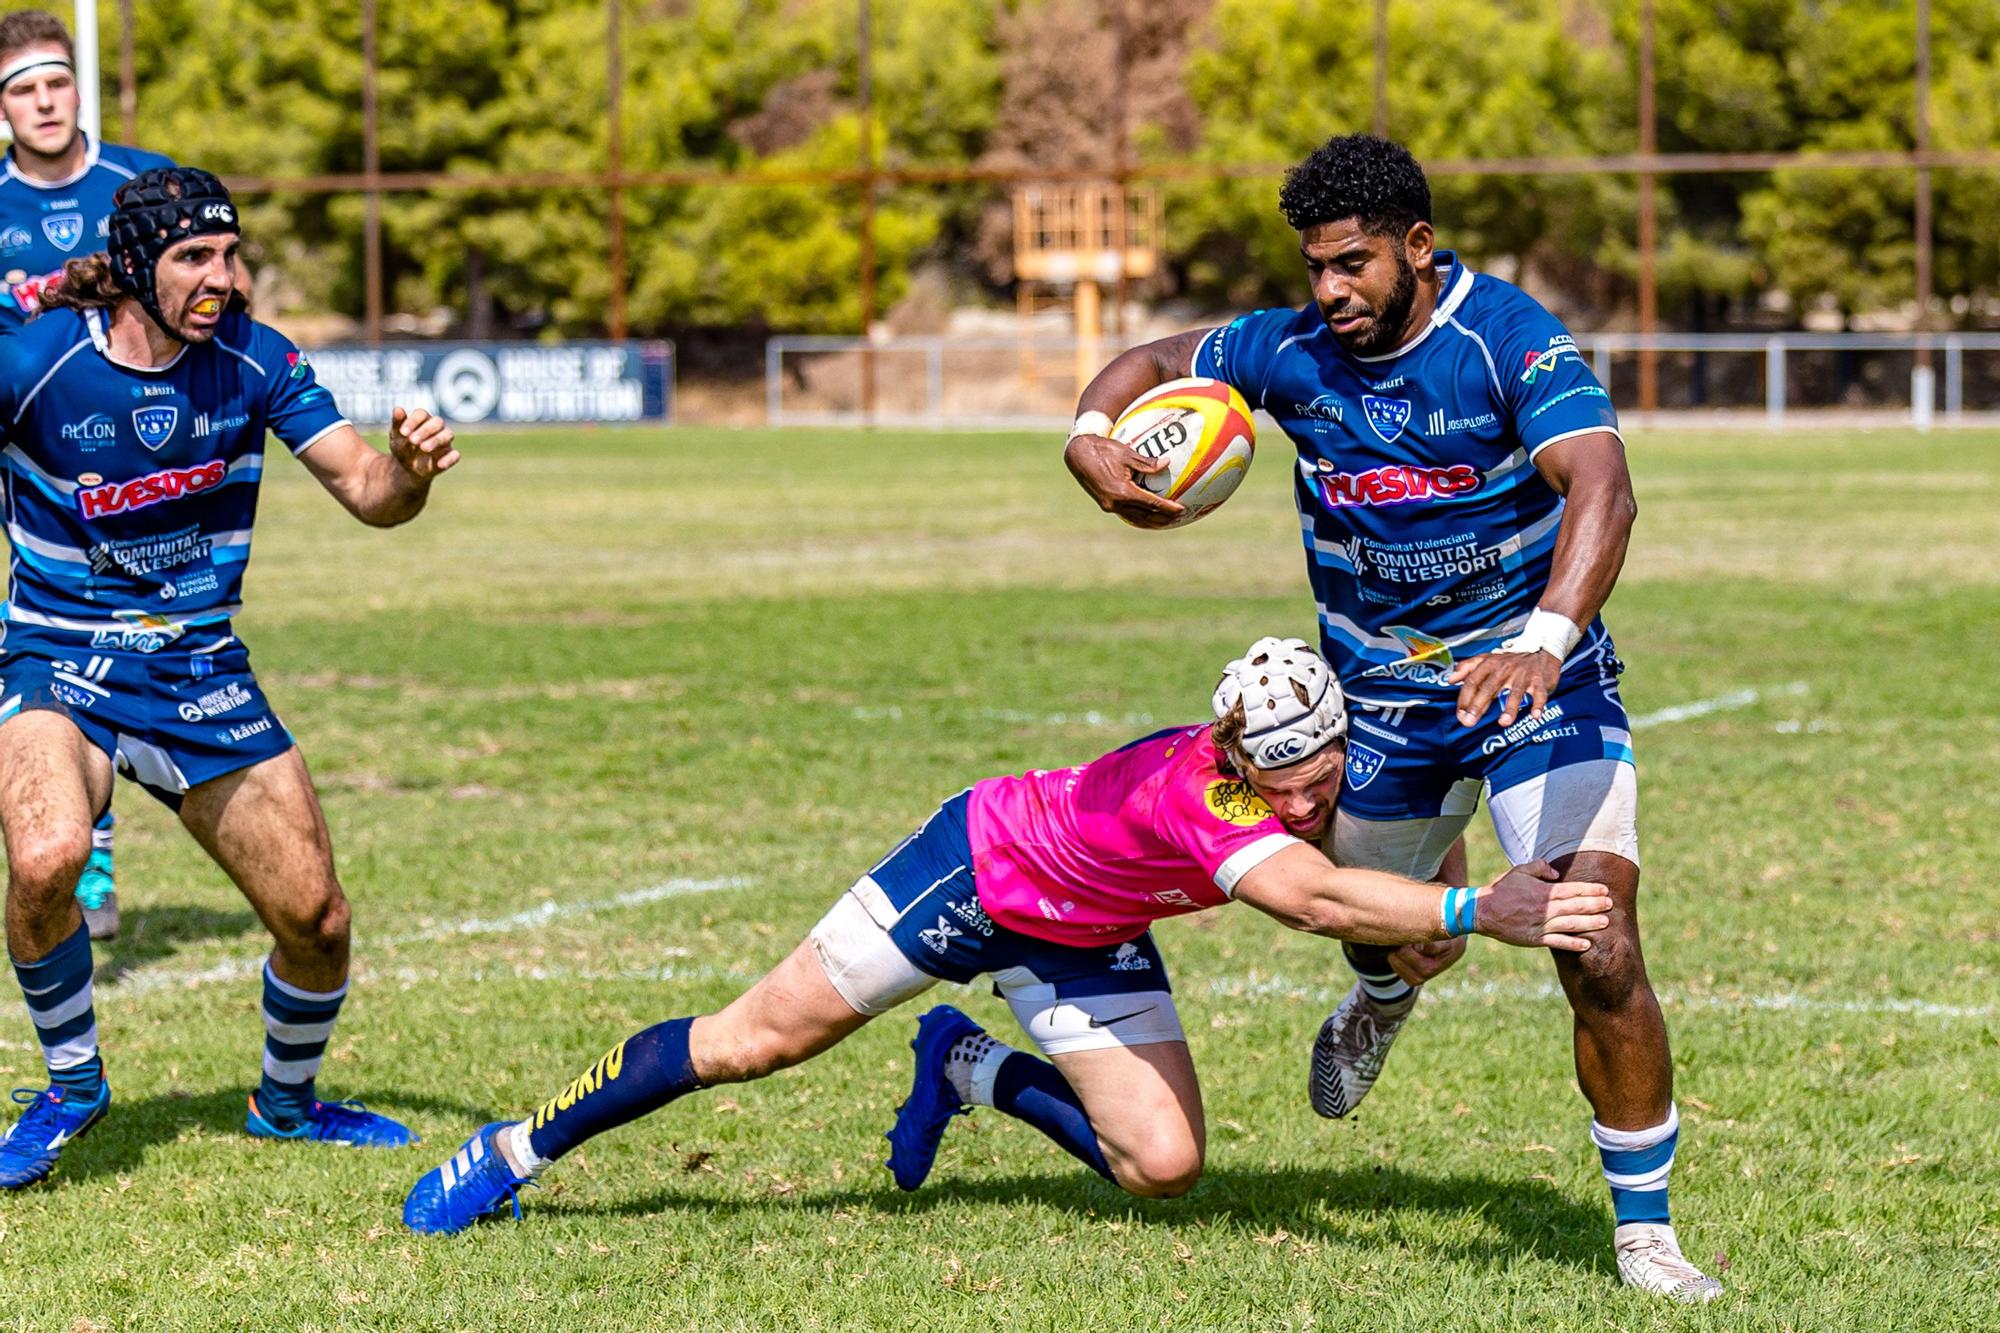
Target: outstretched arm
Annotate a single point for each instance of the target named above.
(1527, 906)
(383, 489)
(1106, 469)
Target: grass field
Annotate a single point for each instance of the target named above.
(604, 732)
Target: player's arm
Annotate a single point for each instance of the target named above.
(1107, 470)
(383, 489)
(1527, 906)
(1419, 963)
(1589, 471)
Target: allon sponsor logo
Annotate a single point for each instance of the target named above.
(1394, 484)
(119, 497)
(97, 428)
(1326, 407)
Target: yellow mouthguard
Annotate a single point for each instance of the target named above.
(208, 305)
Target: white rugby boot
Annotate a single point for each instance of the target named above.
(1649, 1257)
(1352, 1044)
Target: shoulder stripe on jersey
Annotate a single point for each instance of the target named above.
(1271, 365)
(244, 357)
(1612, 431)
(1246, 859)
(1492, 372)
(320, 435)
(29, 397)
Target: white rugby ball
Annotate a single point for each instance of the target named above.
(1202, 428)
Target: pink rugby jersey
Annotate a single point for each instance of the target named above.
(1094, 854)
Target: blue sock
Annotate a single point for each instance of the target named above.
(1636, 1165)
(57, 989)
(297, 1024)
(637, 1076)
(1035, 1091)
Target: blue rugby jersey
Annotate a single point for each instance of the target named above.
(43, 226)
(130, 493)
(1429, 534)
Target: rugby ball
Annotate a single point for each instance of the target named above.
(1202, 428)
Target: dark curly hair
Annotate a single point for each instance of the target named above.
(1357, 176)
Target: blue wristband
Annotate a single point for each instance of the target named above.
(1459, 909)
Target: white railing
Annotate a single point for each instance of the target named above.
(988, 381)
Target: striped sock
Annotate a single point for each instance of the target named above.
(1378, 980)
(297, 1024)
(1636, 1165)
(57, 989)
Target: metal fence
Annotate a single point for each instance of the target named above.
(1788, 377)
(870, 174)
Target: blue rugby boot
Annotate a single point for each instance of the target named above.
(933, 1101)
(349, 1124)
(472, 1183)
(34, 1142)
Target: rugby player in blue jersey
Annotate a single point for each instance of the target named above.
(135, 410)
(55, 204)
(1464, 499)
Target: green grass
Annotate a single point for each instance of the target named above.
(614, 660)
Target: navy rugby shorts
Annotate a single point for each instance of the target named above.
(169, 721)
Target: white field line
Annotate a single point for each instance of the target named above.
(1269, 987)
(1092, 717)
(1721, 703)
(1254, 989)
(147, 980)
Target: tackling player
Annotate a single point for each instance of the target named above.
(1049, 883)
(1465, 504)
(136, 409)
(55, 198)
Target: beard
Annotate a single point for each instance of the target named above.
(1383, 333)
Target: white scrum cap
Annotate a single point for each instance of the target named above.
(1279, 729)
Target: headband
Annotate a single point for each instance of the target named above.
(31, 62)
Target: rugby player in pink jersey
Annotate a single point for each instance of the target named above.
(1049, 883)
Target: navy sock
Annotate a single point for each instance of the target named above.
(1371, 963)
(57, 989)
(1035, 1091)
(637, 1076)
(297, 1026)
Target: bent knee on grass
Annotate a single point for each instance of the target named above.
(1163, 1166)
